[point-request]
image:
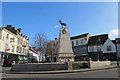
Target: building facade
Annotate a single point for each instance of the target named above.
(10, 49)
(95, 45)
(33, 55)
(52, 50)
(109, 50)
(79, 46)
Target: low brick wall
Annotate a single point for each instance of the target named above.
(40, 67)
(79, 64)
(97, 64)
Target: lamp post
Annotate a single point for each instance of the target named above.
(88, 56)
(117, 52)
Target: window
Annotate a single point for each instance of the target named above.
(98, 48)
(98, 40)
(21, 41)
(17, 49)
(81, 41)
(77, 42)
(25, 51)
(12, 50)
(91, 48)
(12, 39)
(109, 48)
(85, 38)
(72, 43)
(54, 43)
(7, 36)
(57, 50)
(57, 42)
(54, 50)
(18, 40)
(20, 50)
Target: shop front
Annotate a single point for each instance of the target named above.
(22, 59)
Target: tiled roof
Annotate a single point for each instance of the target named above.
(79, 36)
(99, 39)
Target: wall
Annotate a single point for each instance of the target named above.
(97, 64)
(26, 48)
(40, 67)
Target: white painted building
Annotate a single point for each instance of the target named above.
(108, 47)
(9, 46)
(79, 46)
(33, 54)
(101, 47)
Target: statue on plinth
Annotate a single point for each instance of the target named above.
(65, 53)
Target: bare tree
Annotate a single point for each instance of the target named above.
(49, 50)
(40, 41)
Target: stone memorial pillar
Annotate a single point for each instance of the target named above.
(65, 53)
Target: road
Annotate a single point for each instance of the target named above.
(109, 73)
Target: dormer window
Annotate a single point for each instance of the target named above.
(98, 40)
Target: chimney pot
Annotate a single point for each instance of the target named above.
(55, 38)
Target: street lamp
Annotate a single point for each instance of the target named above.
(88, 56)
(117, 52)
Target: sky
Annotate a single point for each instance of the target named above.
(94, 18)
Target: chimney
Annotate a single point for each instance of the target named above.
(13, 28)
(17, 31)
(56, 38)
(20, 30)
(9, 26)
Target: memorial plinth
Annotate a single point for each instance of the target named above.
(65, 46)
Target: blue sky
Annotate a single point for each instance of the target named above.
(81, 17)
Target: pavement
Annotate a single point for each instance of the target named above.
(8, 71)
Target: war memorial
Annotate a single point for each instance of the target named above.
(65, 58)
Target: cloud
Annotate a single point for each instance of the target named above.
(56, 26)
(113, 33)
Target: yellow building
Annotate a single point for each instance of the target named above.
(14, 46)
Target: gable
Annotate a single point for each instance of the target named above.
(108, 43)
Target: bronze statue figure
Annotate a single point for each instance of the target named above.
(63, 24)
